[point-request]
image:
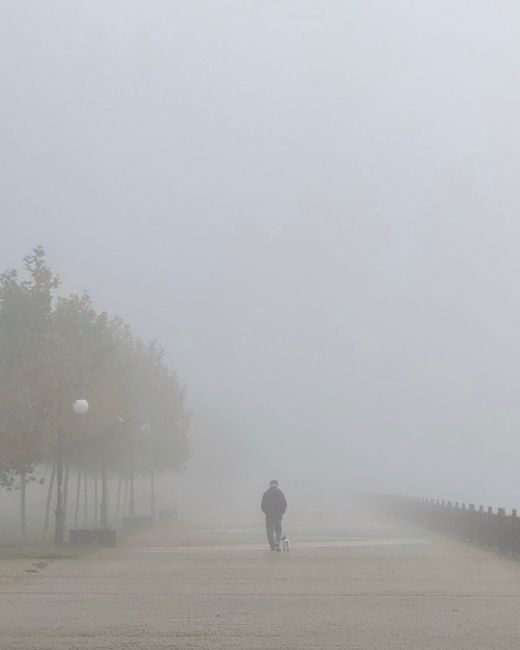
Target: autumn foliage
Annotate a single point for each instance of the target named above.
(55, 349)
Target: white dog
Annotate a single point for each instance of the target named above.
(285, 544)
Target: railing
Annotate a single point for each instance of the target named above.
(496, 530)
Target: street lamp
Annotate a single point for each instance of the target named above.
(103, 519)
(146, 430)
(79, 407)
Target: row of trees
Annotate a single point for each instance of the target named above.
(55, 350)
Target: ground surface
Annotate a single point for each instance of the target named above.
(382, 588)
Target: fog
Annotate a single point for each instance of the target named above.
(312, 205)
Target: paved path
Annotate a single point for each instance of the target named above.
(381, 592)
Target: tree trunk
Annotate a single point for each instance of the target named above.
(131, 509)
(85, 499)
(47, 519)
(153, 507)
(23, 485)
(96, 501)
(78, 494)
(66, 494)
(103, 519)
(118, 499)
(126, 497)
(59, 525)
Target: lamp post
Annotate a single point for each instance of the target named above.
(146, 429)
(80, 407)
(103, 515)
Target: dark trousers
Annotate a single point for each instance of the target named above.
(274, 529)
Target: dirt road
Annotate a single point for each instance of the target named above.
(344, 591)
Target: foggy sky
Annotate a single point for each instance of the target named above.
(313, 205)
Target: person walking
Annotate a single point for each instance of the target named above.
(274, 505)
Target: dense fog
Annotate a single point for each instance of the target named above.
(312, 205)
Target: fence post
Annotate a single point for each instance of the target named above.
(514, 532)
(501, 530)
(471, 522)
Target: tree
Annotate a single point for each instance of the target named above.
(162, 442)
(54, 350)
(25, 333)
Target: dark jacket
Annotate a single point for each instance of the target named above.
(274, 503)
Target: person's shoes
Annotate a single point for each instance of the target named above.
(273, 547)
(277, 548)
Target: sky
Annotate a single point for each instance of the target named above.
(311, 204)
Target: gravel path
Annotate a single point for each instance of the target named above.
(352, 593)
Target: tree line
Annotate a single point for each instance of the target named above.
(56, 350)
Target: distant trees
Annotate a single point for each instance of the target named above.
(55, 349)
